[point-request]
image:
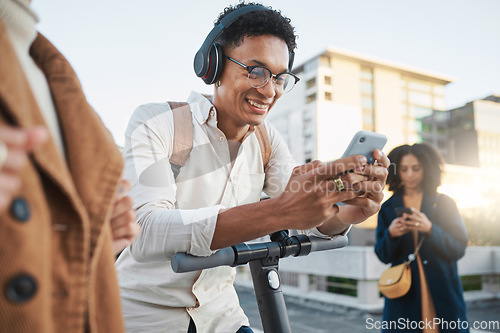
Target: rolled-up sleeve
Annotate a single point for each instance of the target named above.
(165, 230)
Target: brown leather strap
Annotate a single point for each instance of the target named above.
(427, 304)
(183, 133)
(183, 137)
(264, 143)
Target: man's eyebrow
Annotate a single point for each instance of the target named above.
(258, 62)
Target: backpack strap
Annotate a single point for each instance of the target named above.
(264, 143)
(183, 135)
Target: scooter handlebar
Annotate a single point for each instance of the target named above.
(183, 262)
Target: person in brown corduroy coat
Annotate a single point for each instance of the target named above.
(62, 216)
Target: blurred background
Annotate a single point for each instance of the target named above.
(416, 71)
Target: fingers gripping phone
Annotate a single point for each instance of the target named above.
(365, 143)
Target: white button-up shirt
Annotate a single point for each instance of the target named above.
(179, 215)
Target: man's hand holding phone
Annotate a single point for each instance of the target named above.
(369, 188)
(367, 182)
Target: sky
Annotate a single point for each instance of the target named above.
(130, 52)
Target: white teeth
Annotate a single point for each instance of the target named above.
(260, 106)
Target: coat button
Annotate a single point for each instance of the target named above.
(20, 210)
(21, 288)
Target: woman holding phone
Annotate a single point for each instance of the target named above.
(414, 212)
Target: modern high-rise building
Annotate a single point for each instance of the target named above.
(341, 92)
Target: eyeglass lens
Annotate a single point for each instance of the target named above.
(259, 76)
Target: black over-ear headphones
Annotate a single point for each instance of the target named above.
(209, 60)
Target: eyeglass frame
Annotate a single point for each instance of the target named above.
(273, 76)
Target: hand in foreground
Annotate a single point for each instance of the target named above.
(311, 194)
(124, 229)
(369, 191)
(15, 146)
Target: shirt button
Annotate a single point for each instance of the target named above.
(425, 262)
(212, 112)
(221, 138)
(20, 210)
(21, 288)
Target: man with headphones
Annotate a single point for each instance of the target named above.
(212, 200)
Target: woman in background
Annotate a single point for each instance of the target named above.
(435, 297)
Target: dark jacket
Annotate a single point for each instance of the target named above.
(57, 265)
(439, 254)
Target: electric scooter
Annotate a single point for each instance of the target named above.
(263, 259)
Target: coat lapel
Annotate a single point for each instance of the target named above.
(94, 161)
(22, 111)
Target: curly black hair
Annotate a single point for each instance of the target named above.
(256, 23)
(429, 157)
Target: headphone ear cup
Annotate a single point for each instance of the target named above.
(216, 59)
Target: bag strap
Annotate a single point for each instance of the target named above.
(264, 143)
(413, 256)
(183, 135)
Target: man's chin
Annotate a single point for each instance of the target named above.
(257, 120)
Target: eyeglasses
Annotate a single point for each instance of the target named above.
(259, 76)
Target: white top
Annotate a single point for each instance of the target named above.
(20, 22)
(180, 216)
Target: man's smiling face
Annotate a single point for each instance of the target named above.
(238, 103)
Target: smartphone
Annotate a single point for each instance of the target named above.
(401, 210)
(364, 143)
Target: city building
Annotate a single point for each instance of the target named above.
(342, 92)
(470, 136)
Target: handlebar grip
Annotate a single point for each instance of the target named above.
(322, 244)
(182, 262)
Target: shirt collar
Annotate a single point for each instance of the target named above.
(201, 106)
(204, 111)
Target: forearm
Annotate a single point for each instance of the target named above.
(336, 225)
(346, 216)
(247, 222)
(165, 232)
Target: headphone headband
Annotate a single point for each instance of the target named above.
(202, 58)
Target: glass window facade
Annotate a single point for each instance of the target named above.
(367, 98)
(418, 100)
